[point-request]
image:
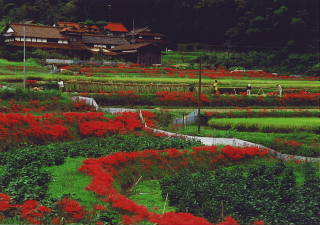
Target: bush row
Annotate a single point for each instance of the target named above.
(26, 95)
(215, 101)
(23, 176)
(264, 191)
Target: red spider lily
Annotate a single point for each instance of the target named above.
(259, 222)
(33, 212)
(72, 208)
(50, 127)
(105, 169)
(100, 207)
(181, 96)
(4, 202)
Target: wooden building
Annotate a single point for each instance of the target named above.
(116, 29)
(84, 41)
(142, 53)
(146, 35)
(43, 37)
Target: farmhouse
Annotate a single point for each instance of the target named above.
(139, 46)
(146, 35)
(141, 53)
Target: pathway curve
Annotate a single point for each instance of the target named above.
(216, 141)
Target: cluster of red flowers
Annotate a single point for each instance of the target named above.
(66, 211)
(15, 128)
(290, 143)
(104, 172)
(71, 211)
(176, 72)
(172, 96)
(42, 106)
(31, 106)
(82, 106)
(106, 169)
(303, 95)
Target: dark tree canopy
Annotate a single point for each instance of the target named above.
(292, 23)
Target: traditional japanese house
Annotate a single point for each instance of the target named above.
(142, 53)
(91, 36)
(102, 41)
(146, 35)
(77, 39)
(45, 37)
(116, 29)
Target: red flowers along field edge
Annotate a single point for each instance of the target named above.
(18, 128)
(107, 169)
(127, 165)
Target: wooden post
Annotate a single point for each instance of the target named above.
(199, 92)
(222, 213)
(24, 56)
(165, 203)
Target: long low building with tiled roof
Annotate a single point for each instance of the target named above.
(87, 39)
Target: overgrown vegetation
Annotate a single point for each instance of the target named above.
(265, 191)
(23, 176)
(280, 61)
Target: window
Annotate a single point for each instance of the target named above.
(17, 39)
(34, 39)
(157, 38)
(28, 39)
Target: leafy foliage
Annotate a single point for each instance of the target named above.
(263, 191)
(24, 179)
(280, 23)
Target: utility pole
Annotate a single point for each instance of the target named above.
(109, 7)
(199, 92)
(24, 56)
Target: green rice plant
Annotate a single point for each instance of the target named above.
(29, 62)
(226, 82)
(268, 124)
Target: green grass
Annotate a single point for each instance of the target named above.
(29, 62)
(272, 123)
(148, 193)
(68, 180)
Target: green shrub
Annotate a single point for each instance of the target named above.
(25, 95)
(263, 191)
(22, 176)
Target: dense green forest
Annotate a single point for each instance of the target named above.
(268, 23)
